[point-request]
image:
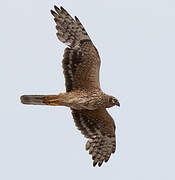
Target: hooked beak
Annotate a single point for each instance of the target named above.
(117, 103)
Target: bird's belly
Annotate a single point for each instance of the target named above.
(84, 103)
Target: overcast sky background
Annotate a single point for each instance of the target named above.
(136, 42)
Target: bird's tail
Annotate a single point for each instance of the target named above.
(52, 100)
(69, 31)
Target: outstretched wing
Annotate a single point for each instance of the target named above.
(81, 62)
(98, 126)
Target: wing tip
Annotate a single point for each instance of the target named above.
(53, 12)
(56, 8)
(101, 149)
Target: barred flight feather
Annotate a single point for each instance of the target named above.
(100, 144)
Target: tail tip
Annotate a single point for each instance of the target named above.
(23, 99)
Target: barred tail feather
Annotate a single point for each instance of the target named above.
(70, 31)
(33, 99)
(52, 100)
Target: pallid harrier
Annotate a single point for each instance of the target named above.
(81, 64)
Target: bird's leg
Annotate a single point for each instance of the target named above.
(55, 100)
(69, 99)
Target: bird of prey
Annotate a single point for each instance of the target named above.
(88, 103)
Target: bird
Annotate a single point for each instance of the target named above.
(84, 96)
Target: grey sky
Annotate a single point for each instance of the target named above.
(136, 42)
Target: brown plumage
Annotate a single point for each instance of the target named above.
(81, 64)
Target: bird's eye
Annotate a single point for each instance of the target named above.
(113, 101)
(110, 100)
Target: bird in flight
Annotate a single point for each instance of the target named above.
(88, 103)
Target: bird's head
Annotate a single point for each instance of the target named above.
(113, 101)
